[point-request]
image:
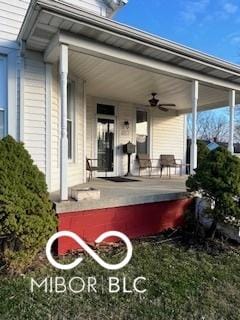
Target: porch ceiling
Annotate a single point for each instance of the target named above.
(116, 81)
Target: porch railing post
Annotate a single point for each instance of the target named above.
(232, 103)
(195, 93)
(64, 139)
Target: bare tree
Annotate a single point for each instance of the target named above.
(237, 125)
(211, 125)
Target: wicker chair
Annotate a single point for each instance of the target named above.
(145, 162)
(169, 161)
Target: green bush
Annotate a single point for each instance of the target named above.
(217, 178)
(203, 151)
(27, 219)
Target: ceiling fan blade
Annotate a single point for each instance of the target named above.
(167, 105)
(163, 109)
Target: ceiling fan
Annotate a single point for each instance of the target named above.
(154, 102)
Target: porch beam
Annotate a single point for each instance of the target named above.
(51, 54)
(232, 104)
(204, 108)
(94, 48)
(64, 140)
(195, 94)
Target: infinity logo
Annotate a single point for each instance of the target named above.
(84, 245)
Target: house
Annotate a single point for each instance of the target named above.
(77, 84)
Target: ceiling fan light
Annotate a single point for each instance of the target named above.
(153, 102)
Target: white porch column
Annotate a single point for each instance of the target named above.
(64, 140)
(232, 103)
(84, 132)
(195, 92)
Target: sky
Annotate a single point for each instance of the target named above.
(211, 26)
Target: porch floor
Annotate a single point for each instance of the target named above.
(117, 194)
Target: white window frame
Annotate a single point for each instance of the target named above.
(4, 107)
(72, 120)
(13, 128)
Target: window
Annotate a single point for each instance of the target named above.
(70, 119)
(106, 110)
(3, 97)
(142, 132)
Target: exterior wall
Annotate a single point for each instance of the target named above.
(27, 94)
(34, 112)
(12, 14)
(134, 221)
(29, 107)
(77, 166)
(11, 17)
(166, 134)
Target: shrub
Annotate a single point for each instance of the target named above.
(203, 151)
(217, 178)
(27, 218)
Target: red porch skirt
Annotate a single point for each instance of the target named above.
(135, 221)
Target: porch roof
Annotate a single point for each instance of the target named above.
(46, 17)
(50, 22)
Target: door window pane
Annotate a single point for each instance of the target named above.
(142, 132)
(105, 135)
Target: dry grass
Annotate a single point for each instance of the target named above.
(183, 282)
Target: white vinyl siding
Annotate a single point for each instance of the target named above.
(35, 108)
(94, 6)
(12, 14)
(168, 135)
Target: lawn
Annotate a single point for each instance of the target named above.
(183, 282)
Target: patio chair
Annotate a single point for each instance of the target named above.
(169, 161)
(91, 168)
(145, 162)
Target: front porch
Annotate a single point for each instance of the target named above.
(98, 78)
(76, 61)
(141, 208)
(113, 194)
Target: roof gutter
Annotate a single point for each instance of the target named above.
(121, 29)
